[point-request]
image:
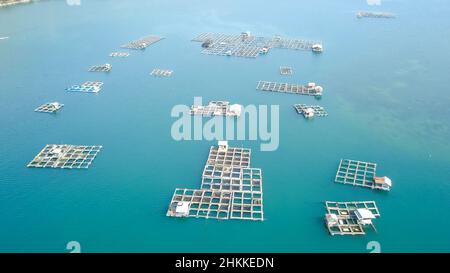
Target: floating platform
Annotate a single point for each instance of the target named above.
(249, 46)
(217, 108)
(311, 89)
(219, 177)
(286, 71)
(101, 68)
(49, 107)
(309, 111)
(65, 156)
(350, 218)
(230, 189)
(161, 72)
(143, 42)
(119, 54)
(369, 14)
(362, 174)
(231, 156)
(87, 87)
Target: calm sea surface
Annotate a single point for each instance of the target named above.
(386, 90)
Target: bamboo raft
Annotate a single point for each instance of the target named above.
(65, 156)
(49, 107)
(311, 89)
(230, 189)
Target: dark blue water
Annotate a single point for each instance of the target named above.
(386, 90)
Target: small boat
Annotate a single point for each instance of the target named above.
(4, 38)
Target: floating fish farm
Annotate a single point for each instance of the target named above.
(309, 111)
(249, 46)
(369, 14)
(311, 89)
(119, 54)
(230, 189)
(217, 108)
(143, 42)
(87, 87)
(350, 218)
(101, 68)
(362, 174)
(50, 107)
(161, 72)
(65, 156)
(286, 71)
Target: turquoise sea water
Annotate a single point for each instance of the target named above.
(386, 90)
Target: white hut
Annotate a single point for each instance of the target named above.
(182, 209)
(223, 145)
(383, 183)
(308, 113)
(332, 219)
(364, 216)
(317, 48)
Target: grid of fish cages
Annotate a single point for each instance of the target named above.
(356, 173)
(286, 71)
(350, 218)
(247, 45)
(119, 54)
(49, 107)
(310, 90)
(216, 108)
(65, 156)
(304, 109)
(218, 177)
(143, 42)
(230, 157)
(101, 68)
(229, 189)
(87, 87)
(161, 72)
(369, 14)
